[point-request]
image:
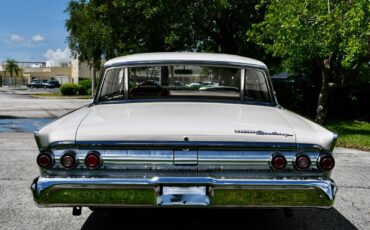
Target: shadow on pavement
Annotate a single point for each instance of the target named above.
(219, 219)
(11, 124)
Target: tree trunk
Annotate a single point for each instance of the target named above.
(323, 101)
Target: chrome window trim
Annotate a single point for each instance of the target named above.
(126, 65)
(242, 87)
(101, 83)
(187, 62)
(125, 89)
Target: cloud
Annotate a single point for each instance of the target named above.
(58, 56)
(17, 38)
(37, 38)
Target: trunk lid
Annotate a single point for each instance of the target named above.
(174, 121)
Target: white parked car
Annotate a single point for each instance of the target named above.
(148, 140)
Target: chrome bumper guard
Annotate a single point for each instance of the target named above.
(104, 192)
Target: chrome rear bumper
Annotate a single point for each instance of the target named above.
(106, 192)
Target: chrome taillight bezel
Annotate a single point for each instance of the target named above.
(48, 154)
(321, 158)
(69, 153)
(96, 154)
(296, 164)
(278, 156)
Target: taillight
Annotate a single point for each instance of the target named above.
(326, 162)
(93, 160)
(302, 162)
(45, 159)
(68, 160)
(278, 162)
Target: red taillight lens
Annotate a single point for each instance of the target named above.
(93, 160)
(68, 160)
(45, 160)
(326, 162)
(302, 162)
(278, 162)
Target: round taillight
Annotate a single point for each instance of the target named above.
(302, 162)
(93, 160)
(45, 160)
(68, 160)
(278, 162)
(326, 162)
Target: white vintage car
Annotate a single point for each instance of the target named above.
(184, 130)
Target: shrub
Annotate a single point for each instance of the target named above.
(85, 87)
(69, 89)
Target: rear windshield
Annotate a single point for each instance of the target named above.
(184, 82)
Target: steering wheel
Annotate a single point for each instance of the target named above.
(150, 88)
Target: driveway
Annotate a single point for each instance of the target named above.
(13, 104)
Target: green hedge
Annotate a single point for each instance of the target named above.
(70, 89)
(85, 87)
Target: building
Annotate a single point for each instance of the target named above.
(61, 73)
(80, 71)
(71, 72)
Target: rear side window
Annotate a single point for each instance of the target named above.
(255, 86)
(113, 86)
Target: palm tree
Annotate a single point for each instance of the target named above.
(12, 67)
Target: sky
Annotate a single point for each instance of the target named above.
(33, 30)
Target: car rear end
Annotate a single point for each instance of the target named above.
(153, 137)
(131, 174)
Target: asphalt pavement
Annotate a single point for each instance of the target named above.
(18, 104)
(18, 211)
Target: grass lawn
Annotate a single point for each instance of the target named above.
(352, 134)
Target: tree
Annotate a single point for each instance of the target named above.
(105, 29)
(12, 67)
(334, 35)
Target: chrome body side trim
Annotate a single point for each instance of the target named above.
(37, 139)
(335, 138)
(197, 160)
(182, 144)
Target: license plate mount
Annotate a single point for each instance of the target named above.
(183, 196)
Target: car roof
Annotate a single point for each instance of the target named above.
(184, 58)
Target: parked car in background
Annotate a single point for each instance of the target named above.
(146, 142)
(55, 83)
(47, 84)
(36, 84)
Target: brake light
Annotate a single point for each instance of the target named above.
(45, 159)
(326, 162)
(93, 160)
(278, 162)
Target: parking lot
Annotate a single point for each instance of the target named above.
(18, 168)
